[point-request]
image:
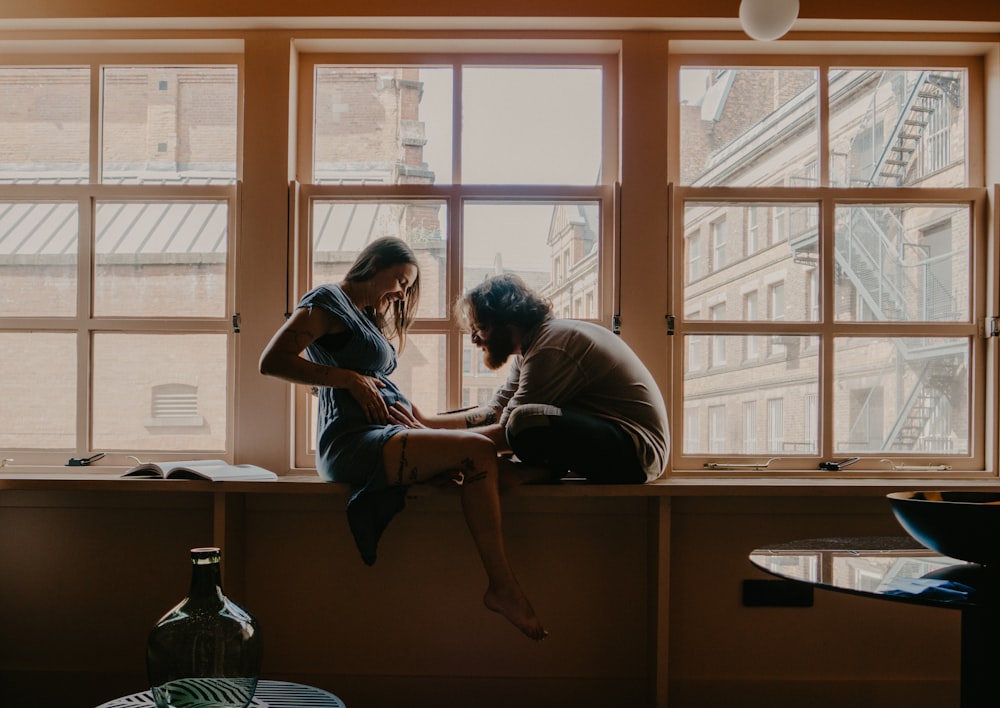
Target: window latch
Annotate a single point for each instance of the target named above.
(740, 465)
(84, 461)
(837, 465)
(616, 324)
(991, 327)
(902, 467)
(236, 323)
(671, 324)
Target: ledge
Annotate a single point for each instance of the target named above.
(309, 483)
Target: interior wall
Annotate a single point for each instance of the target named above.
(86, 575)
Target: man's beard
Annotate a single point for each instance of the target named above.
(499, 347)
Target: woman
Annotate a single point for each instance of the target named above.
(344, 332)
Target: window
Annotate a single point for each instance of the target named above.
(749, 427)
(752, 243)
(718, 312)
(695, 258)
(717, 429)
(384, 156)
(872, 286)
(775, 425)
(752, 348)
(118, 186)
(718, 244)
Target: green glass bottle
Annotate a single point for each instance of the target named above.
(206, 651)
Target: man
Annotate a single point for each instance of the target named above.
(577, 398)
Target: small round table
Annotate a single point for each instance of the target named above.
(899, 569)
(270, 694)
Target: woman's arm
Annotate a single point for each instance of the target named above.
(282, 358)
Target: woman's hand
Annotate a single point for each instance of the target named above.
(365, 390)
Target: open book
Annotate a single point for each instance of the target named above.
(214, 470)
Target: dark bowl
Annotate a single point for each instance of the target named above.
(962, 525)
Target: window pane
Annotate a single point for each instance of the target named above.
(44, 124)
(730, 281)
(531, 125)
(382, 125)
(420, 372)
(161, 259)
(38, 258)
(341, 229)
(898, 128)
(759, 409)
(37, 403)
(902, 395)
(160, 392)
(903, 263)
(554, 246)
(743, 127)
(165, 124)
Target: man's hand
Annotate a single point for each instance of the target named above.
(401, 416)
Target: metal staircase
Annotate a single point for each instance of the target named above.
(925, 96)
(872, 255)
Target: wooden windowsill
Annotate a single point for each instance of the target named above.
(93, 480)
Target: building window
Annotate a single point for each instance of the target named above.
(718, 312)
(749, 428)
(873, 280)
(750, 313)
(718, 244)
(775, 425)
(175, 406)
(716, 428)
(753, 240)
(695, 257)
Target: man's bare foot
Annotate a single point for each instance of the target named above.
(513, 474)
(514, 605)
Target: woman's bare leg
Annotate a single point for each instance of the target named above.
(415, 456)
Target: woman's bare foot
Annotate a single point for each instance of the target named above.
(513, 604)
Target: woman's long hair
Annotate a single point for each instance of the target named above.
(385, 253)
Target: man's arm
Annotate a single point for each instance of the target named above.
(474, 417)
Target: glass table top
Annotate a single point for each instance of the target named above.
(890, 567)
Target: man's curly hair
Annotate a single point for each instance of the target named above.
(502, 300)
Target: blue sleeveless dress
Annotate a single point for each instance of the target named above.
(348, 447)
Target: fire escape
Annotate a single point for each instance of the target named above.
(886, 271)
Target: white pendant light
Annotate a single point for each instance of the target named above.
(768, 19)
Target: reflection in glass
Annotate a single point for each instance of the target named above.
(342, 228)
(160, 391)
(37, 390)
(897, 127)
(903, 263)
(382, 125)
(902, 394)
(161, 259)
(38, 258)
(766, 408)
(169, 124)
(748, 127)
(765, 266)
(531, 125)
(44, 124)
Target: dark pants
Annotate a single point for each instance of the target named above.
(582, 445)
